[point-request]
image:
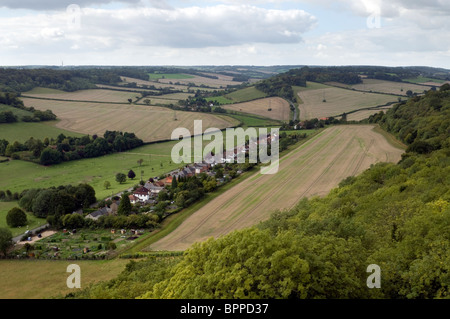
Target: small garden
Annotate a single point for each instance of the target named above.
(76, 244)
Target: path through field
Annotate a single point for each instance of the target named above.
(314, 168)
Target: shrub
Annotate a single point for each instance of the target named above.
(16, 217)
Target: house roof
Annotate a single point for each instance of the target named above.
(141, 191)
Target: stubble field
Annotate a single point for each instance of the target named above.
(312, 169)
(150, 123)
(337, 101)
(279, 108)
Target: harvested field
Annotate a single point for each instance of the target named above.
(389, 87)
(156, 84)
(363, 114)
(280, 108)
(95, 95)
(222, 81)
(337, 101)
(312, 169)
(150, 123)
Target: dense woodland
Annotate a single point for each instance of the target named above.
(394, 215)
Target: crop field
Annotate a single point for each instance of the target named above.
(247, 94)
(389, 87)
(155, 83)
(363, 114)
(312, 169)
(95, 95)
(337, 101)
(173, 76)
(38, 279)
(199, 80)
(279, 108)
(150, 123)
(22, 131)
(121, 88)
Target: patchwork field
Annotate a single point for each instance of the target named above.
(312, 169)
(337, 101)
(388, 87)
(199, 80)
(279, 108)
(96, 95)
(150, 123)
(38, 279)
(247, 94)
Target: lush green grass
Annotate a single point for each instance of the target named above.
(22, 131)
(17, 112)
(250, 120)
(220, 99)
(33, 221)
(38, 279)
(247, 94)
(422, 79)
(175, 76)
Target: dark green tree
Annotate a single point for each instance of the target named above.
(16, 217)
(121, 178)
(131, 174)
(125, 205)
(5, 240)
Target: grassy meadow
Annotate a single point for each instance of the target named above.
(40, 279)
(22, 131)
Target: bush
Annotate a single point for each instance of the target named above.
(16, 217)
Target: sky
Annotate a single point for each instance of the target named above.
(225, 32)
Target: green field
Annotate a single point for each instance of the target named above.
(247, 94)
(17, 112)
(221, 99)
(22, 131)
(40, 279)
(422, 79)
(175, 76)
(251, 120)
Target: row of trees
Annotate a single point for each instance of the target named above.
(66, 148)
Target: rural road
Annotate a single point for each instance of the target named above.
(17, 238)
(295, 117)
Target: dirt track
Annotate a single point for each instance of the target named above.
(314, 168)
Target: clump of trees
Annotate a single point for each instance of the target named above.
(66, 148)
(53, 203)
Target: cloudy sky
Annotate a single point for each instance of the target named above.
(225, 32)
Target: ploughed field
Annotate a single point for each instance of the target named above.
(312, 169)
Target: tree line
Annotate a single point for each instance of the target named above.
(67, 148)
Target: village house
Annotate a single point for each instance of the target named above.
(142, 194)
(98, 213)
